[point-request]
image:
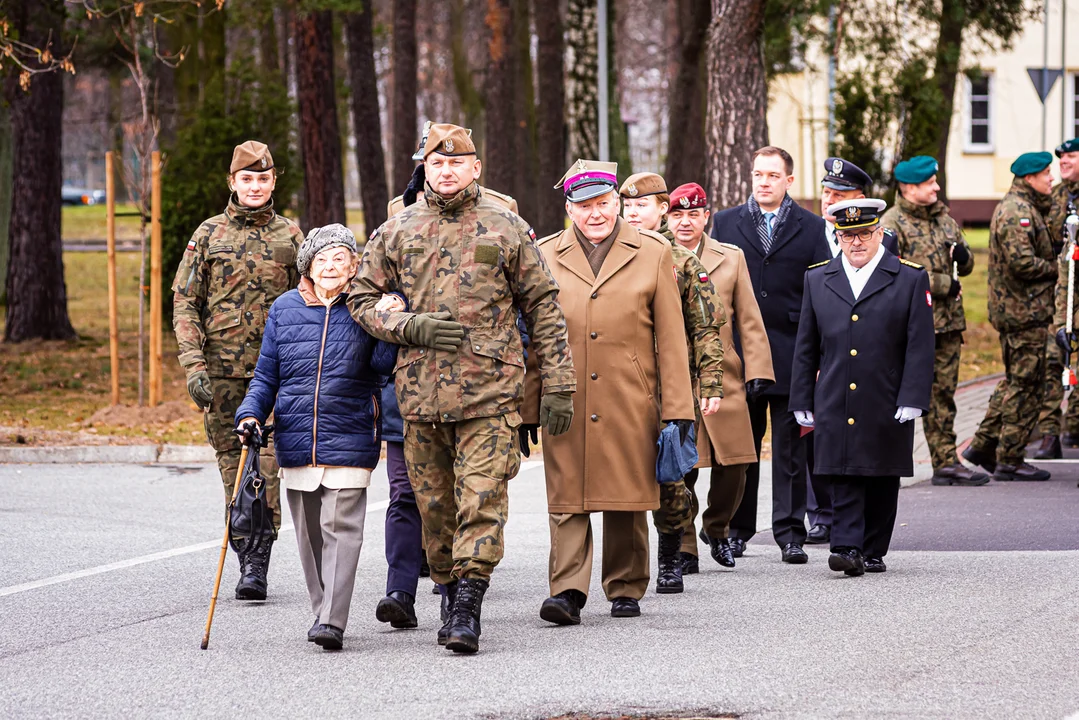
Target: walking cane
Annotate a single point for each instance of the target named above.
(1071, 224)
(224, 549)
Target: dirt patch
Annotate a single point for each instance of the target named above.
(135, 416)
(41, 437)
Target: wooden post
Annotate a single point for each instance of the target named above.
(156, 385)
(110, 235)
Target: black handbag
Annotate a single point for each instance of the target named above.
(250, 518)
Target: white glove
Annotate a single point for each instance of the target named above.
(904, 413)
(804, 417)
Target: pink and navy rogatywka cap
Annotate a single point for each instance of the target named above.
(587, 179)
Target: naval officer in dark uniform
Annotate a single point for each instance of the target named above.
(867, 329)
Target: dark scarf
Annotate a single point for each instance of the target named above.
(597, 252)
(762, 225)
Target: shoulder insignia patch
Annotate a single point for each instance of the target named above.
(372, 235)
(928, 299)
(1024, 222)
(732, 246)
(532, 234)
(702, 277)
(817, 265)
(191, 244)
(914, 265)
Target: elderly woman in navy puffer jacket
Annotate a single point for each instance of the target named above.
(320, 374)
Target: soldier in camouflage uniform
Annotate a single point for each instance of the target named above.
(929, 236)
(456, 254)
(645, 202)
(1022, 275)
(1065, 201)
(234, 267)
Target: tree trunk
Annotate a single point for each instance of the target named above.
(582, 85)
(6, 150)
(37, 294)
(526, 168)
(320, 140)
(737, 99)
(363, 82)
(551, 124)
(953, 19)
(617, 132)
(405, 91)
(685, 124)
(499, 87)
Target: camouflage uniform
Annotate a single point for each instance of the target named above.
(1022, 275)
(925, 235)
(1049, 423)
(471, 257)
(235, 266)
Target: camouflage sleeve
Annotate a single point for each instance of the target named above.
(536, 294)
(189, 297)
(376, 275)
(703, 313)
(1018, 248)
(968, 267)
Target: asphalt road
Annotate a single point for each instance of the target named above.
(105, 575)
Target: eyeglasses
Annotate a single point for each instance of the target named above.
(848, 238)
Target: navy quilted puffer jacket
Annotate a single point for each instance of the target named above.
(321, 375)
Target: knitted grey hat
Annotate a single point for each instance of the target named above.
(319, 239)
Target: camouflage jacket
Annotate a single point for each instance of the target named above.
(925, 235)
(1022, 266)
(703, 314)
(1065, 192)
(234, 267)
(471, 257)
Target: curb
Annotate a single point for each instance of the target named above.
(138, 454)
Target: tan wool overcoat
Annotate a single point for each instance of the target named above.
(728, 432)
(625, 332)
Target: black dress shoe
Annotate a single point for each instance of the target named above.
(690, 564)
(819, 535)
(983, 458)
(703, 536)
(1022, 471)
(847, 560)
(398, 609)
(329, 638)
(738, 546)
(1049, 448)
(794, 554)
(625, 607)
(563, 608)
(312, 631)
(958, 474)
(875, 565)
(721, 551)
(1069, 440)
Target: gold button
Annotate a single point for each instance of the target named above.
(854, 318)
(853, 386)
(850, 421)
(853, 352)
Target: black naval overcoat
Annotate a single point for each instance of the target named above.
(874, 355)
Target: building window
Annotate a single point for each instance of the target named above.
(979, 114)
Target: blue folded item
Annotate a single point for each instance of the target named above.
(675, 458)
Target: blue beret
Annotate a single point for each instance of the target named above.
(916, 170)
(1068, 146)
(1031, 162)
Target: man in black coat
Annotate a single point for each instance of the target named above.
(780, 240)
(863, 371)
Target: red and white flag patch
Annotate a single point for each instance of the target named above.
(191, 244)
(532, 234)
(702, 277)
(1024, 222)
(928, 299)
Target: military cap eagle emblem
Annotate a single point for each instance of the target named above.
(684, 201)
(263, 162)
(581, 165)
(449, 145)
(853, 213)
(632, 190)
(837, 166)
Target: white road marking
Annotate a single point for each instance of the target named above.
(135, 561)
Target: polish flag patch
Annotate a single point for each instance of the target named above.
(1024, 222)
(191, 244)
(532, 234)
(702, 277)
(928, 299)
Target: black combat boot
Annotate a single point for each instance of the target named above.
(253, 568)
(1049, 448)
(464, 633)
(669, 578)
(398, 609)
(449, 593)
(690, 564)
(982, 457)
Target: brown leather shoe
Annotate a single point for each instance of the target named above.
(983, 458)
(1049, 448)
(1022, 471)
(958, 474)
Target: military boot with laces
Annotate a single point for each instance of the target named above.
(669, 579)
(449, 593)
(464, 633)
(253, 569)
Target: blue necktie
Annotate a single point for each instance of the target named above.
(769, 218)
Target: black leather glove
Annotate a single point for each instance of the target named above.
(684, 426)
(756, 386)
(960, 253)
(528, 433)
(953, 291)
(1066, 342)
(556, 412)
(198, 387)
(435, 330)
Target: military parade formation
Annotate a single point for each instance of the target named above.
(649, 330)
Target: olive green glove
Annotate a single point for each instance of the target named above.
(198, 387)
(556, 412)
(435, 330)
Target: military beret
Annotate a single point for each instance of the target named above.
(860, 213)
(587, 179)
(418, 155)
(322, 238)
(688, 197)
(1068, 146)
(251, 155)
(840, 174)
(447, 139)
(643, 184)
(1031, 163)
(916, 170)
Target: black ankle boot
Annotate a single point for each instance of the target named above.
(253, 568)
(398, 609)
(449, 593)
(464, 633)
(669, 578)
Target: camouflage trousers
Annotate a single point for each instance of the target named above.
(1052, 419)
(1014, 405)
(675, 513)
(220, 422)
(939, 422)
(458, 471)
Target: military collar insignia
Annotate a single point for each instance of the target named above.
(837, 166)
(853, 213)
(448, 145)
(632, 190)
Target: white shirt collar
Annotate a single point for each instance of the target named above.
(833, 243)
(858, 277)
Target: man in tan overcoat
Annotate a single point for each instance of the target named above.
(623, 311)
(724, 439)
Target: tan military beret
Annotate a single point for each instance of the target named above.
(447, 139)
(642, 184)
(251, 155)
(587, 179)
